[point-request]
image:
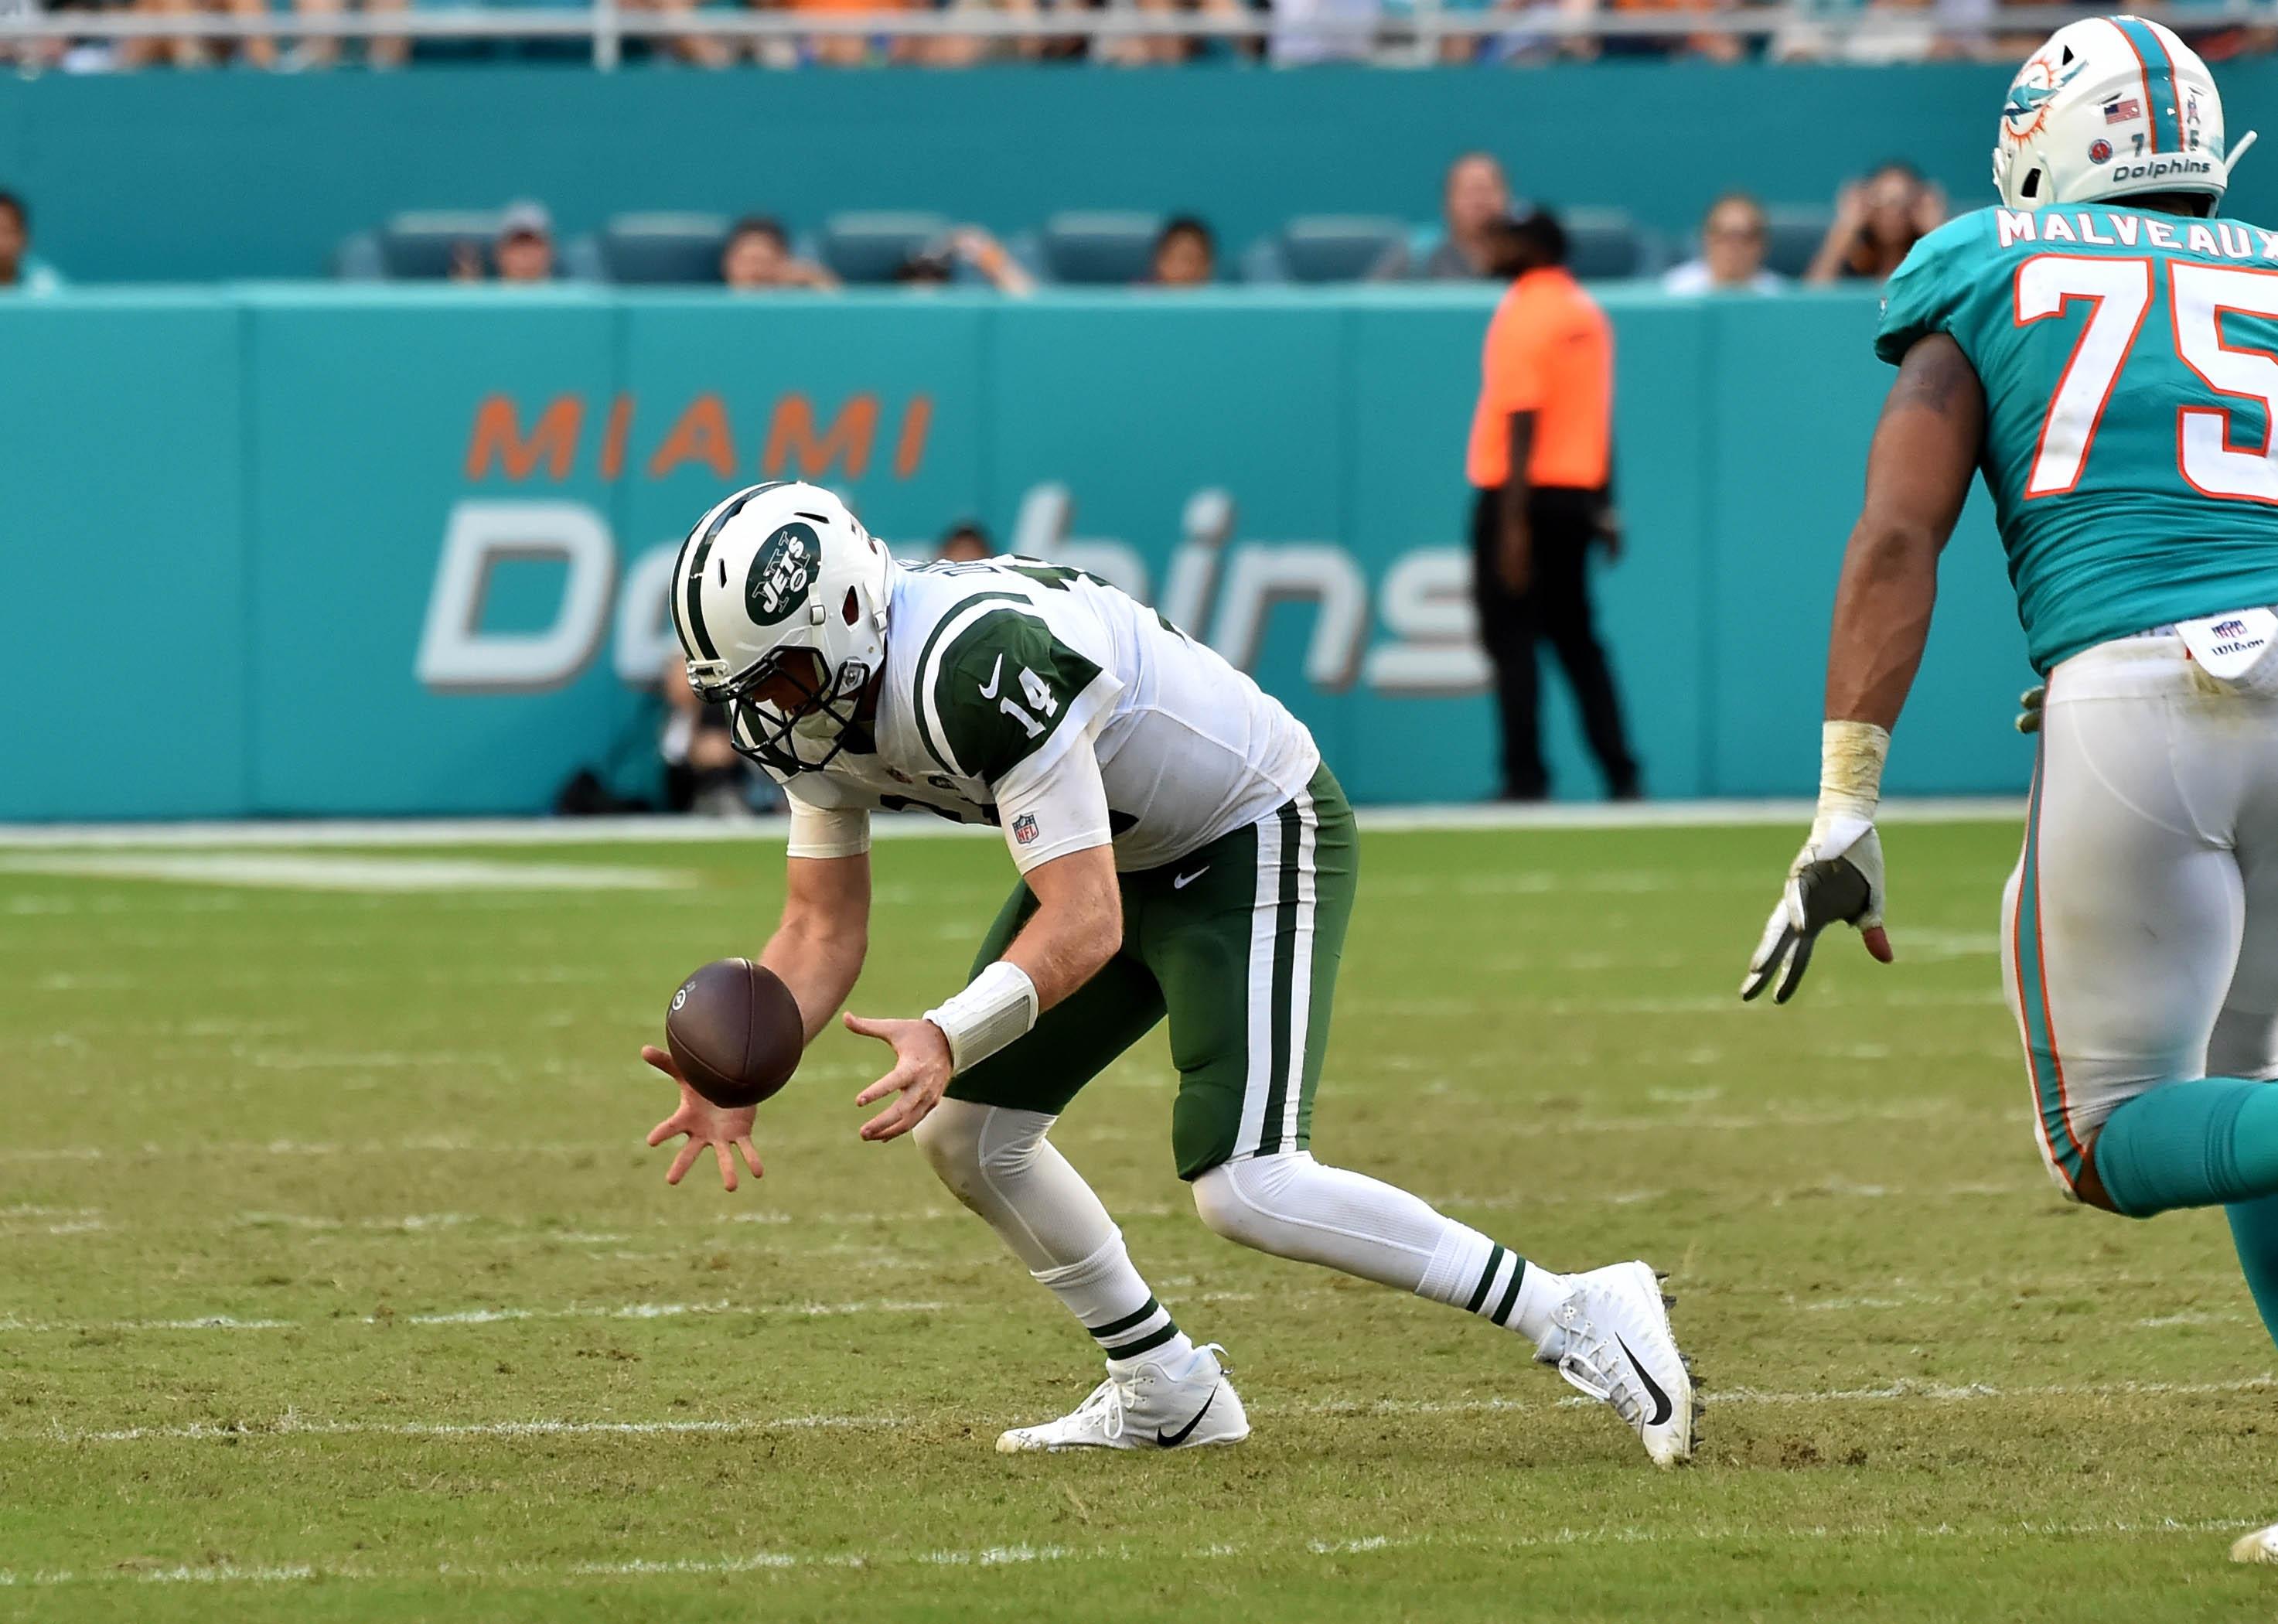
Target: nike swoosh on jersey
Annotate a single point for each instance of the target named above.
(1661, 1407)
(995, 672)
(1180, 882)
(1172, 1440)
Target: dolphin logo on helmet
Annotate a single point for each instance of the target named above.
(2120, 86)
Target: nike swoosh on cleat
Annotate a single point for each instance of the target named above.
(1661, 1407)
(1174, 1439)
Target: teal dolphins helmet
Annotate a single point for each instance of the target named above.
(2109, 107)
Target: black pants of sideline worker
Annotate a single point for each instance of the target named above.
(1553, 608)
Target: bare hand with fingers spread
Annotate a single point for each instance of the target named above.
(922, 1072)
(704, 1123)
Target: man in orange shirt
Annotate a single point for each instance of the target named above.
(1542, 463)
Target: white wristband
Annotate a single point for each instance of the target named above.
(1000, 1006)
(1851, 755)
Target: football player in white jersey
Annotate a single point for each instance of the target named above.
(1182, 852)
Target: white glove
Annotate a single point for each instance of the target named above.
(1838, 876)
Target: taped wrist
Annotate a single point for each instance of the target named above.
(1851, 757)
(1000, 1006)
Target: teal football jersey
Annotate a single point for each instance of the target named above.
(2131, 364)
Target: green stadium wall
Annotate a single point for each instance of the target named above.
(277, 550)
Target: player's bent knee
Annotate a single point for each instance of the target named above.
(1235, 1201)
(950, 1140)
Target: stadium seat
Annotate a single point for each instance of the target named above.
(1605, 244)
(869, 246)
(417, 244)
(1793, 234)
(1099, 247)
(662, 248)
(1337, 248)
(357, 258)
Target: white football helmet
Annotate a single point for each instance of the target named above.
(779, 596)
(2111, 106)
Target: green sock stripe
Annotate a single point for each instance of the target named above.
(1117, 1327)
(1285, 972)
(1486, 1278)
(1153, 1339)
(2032, 980)
(1502, 1309)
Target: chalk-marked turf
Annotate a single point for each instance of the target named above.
(616, 831)
(1011, 1555)
(1940, 1112)
(488, 1316)
(332, 873)
(1904, 1391)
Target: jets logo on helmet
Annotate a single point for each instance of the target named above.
(781, 571)
(2112, 88)
(780, 600)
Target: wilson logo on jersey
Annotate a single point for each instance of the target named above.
(782, 570)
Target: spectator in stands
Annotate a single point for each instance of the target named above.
(935, 264)
(1714, 47)
(187, 51)
(964, 543)
(20, 272)
(1474, 200)
(524, 250)
(850, 49)
(702, 772)
(757, 257)
(1169, 49)
(1185, 255)
(1877, 220)
(324, 50)
(1731, 258)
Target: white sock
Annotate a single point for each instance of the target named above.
(1110, 1301)
(998, 1162)
(1291, 1205)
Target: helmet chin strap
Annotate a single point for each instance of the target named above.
(2245, 145)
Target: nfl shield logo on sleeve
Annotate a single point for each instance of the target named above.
(1024, 829)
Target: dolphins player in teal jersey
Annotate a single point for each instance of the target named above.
(2104, 347)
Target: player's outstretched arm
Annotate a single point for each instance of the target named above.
(819, 945)
(1918, 472)
(1077, 927)
(817, 951)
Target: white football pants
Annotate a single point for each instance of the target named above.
(2139, 931)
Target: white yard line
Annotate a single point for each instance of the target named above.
(329, 872)
(485, 1316)
(616, 831)
(1933, 1110)
(1023, 1553)
(292, 1425)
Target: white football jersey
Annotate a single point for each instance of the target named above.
(999, 671)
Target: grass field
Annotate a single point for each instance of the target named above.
(340, 1285)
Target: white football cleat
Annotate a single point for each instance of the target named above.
(1152, 1407)
(1612, 1340)
(2259, 1546)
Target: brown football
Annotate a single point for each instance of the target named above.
(735, 1032)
